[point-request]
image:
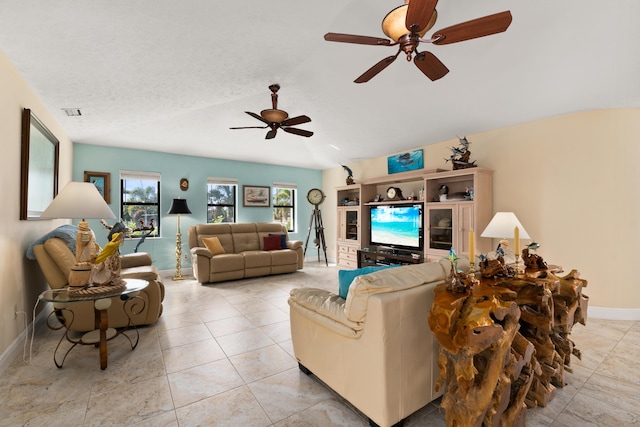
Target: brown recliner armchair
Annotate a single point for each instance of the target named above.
(55, 259)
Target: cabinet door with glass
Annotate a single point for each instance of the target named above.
(349, 225)
(439, 229)
(448, 226)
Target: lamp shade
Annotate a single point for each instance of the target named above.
(502, 225)
(78, 200)
(179, 206)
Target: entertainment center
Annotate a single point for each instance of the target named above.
(394, 218)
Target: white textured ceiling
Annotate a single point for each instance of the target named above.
(173, 76)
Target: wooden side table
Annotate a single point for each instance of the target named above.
(101, 303)
(505, 344)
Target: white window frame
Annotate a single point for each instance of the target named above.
(293, 207)
(142, 175)
(224, 181)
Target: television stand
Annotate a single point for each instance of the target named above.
(368, 257)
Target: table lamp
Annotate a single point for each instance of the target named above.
(502, 226)
(505, 225)
(178, 207)
(80, 200)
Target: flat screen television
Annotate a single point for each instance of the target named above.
(397, 226)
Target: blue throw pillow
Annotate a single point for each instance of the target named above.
(345, 277)
(283, 240)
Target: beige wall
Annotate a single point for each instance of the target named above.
(571, 180)
(20, 280)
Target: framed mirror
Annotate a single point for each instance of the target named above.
(39, 167)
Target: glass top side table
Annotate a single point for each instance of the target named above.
(101, 303)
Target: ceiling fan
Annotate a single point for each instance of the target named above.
(278, 119)
(407, 24)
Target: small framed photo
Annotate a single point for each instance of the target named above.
(255, 196)
(102, 181)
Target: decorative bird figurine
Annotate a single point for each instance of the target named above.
(533, 246)
(453, 257)
(349, 175)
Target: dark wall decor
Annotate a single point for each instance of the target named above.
(38, 168)
(102, 181)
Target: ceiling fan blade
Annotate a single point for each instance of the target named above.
(430, 65)
(297, 131)
(256, 116)
(350, 38)
(475, 28)
(373, 71)
(271, 134)
(251, 127)
(419, 14)
(296, 121)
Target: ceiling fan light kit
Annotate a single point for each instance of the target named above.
(274, 116)
(394, 24)
(407, 24)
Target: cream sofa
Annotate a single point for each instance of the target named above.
(55, 259)
(244, 252)
(375, 349)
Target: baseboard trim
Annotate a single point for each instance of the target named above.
(18, 345)
(613, 313)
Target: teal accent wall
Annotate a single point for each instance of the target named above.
(172, 167)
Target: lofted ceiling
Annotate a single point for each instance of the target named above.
(174, 76)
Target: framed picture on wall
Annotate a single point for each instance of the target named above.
(255, 196)
(405, 162)
(102, 181)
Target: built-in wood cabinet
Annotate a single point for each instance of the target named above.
(351, 223)
(448, 226)
(446, 220)
(467, 204)
(349, 234)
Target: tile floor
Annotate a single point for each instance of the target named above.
(221, 355)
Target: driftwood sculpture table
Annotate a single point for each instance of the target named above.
(505, 345)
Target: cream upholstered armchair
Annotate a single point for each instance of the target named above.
(55, 258)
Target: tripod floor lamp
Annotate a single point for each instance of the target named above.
(178, 207)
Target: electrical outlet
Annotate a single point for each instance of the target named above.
(185, 257)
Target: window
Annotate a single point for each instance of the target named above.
(221, 199)
(140, 202)
(283, 196)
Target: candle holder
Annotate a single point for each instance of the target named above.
(519, 268)
(472, 272)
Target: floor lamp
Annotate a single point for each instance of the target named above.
(178, 207)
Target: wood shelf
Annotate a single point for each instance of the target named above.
(394, 202)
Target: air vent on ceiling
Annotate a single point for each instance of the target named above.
(72, 112)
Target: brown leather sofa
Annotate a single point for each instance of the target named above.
(244, 252)
(56, 259)
(375, 349)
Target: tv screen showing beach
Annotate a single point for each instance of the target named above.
(398, 226)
